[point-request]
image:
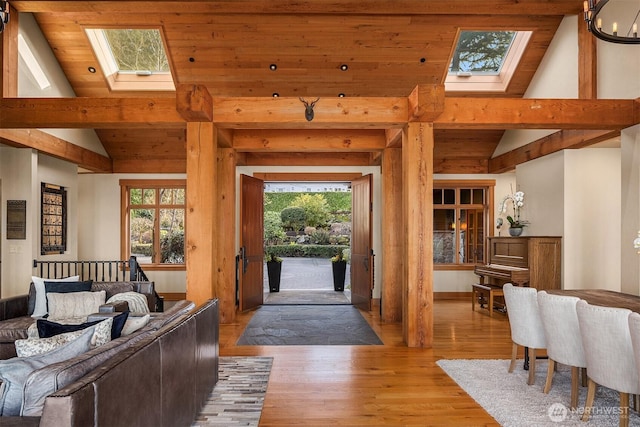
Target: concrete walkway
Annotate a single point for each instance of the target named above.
(307, 281)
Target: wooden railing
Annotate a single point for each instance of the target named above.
(99, 271)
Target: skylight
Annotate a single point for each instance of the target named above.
(132, 59)
(485, 60)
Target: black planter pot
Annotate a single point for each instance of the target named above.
(274, 269)
(339, 274)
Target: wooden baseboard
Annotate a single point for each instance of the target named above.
(459, 296)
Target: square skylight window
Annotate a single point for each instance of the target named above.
(132, 59)
(485, 60)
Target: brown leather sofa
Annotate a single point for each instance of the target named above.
(15, 312)
(160, 376)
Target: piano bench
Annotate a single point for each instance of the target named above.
(478, 289)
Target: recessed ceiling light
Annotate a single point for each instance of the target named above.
(192, 59)
(92, 69)
(275, 94)
(423, 60)
(344, 67)
(341, 95)
(273, 67)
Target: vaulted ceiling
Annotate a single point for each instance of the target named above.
(390, 47)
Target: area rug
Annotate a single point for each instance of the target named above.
(308, 325)
(237, 398)
(307, 297)
(513, 403)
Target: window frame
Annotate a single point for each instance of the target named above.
(125, 186)
(489, 186)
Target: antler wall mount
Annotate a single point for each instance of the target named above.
(308, 108)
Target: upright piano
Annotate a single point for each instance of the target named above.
(523, 261)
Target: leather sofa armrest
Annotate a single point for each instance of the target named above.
(13, 307)
(114, 307)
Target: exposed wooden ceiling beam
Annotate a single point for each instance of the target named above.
(194, 103)
(368, 7)
(304, 159)
(56, 147)
(510, 113)
(100, 113)
(564, 139)
(309, 140)
(330, 113)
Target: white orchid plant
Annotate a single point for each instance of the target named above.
(517, 201)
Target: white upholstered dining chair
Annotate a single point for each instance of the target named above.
(525, 323)
(562, 334)
(606, 340)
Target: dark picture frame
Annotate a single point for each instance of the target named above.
(16, 219)
(53, 224)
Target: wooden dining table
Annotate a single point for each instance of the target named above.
(602, 297)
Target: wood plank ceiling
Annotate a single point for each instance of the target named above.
(228, 46)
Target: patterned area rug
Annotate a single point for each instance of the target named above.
(308, 325)
(513, 403)
(238, 396)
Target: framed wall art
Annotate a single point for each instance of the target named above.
(53, 225)
(17, 219)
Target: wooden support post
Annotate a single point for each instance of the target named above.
(201, 212)
(392, 237)
(587, 62)
(9, 57)
(417, 196)
(225, 283)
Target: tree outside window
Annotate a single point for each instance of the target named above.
(155, 221)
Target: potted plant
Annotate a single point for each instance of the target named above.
(339, 267)
(516, 225)
(274, 270)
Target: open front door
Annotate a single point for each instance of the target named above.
(251, 242)
(361, 247)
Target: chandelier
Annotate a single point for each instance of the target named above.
(4, 14)
(616, 16)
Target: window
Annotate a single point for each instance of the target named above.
(132, 59)
(154, 221)
(485, 60)
(460, 218)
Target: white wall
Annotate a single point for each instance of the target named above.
(630, 217)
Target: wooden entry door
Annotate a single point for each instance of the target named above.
(251, 243)
(361, 247)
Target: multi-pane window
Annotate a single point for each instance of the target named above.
(154, 218)
(460, 219)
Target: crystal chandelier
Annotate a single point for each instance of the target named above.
(618, 15)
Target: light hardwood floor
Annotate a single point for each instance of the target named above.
(378, 385)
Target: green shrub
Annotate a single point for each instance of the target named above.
(315, 208)
(320, 237)
(306, 251)
(141, 249)
(273, 232)
(293, 218)
(172, 248)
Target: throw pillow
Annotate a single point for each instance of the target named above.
(102, 334)
(134, 323)
(47, 328)
(14, 372)
(138, 304)
(66, 287)
(112, 288)
(33, 347)
(74, 304)
(40, 307)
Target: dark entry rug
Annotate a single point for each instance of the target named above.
(308, 325)
(307, 297)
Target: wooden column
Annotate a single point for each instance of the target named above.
(587, 62)
(417, 201)
(392, 236)
(9, 57)
(201, 260)
(225, 283)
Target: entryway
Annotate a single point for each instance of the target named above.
(307, 281)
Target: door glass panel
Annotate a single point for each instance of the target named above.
(141, 234)
(444, 233)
